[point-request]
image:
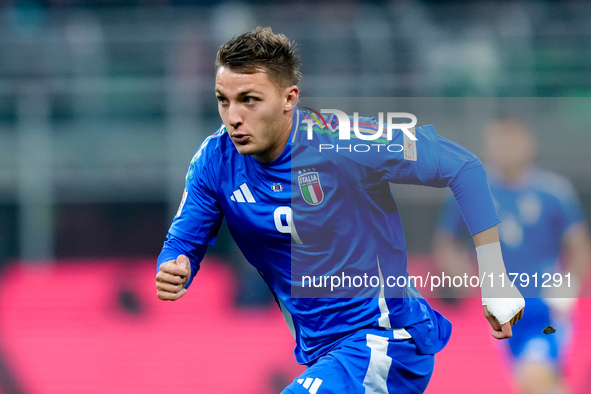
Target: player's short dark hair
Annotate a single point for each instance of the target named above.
(262, 50)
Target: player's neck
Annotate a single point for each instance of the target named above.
(515, 175)
(285, 132)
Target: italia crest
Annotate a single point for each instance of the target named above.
(310, 187)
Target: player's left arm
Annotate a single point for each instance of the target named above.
(503, 306)
(502, 303)
(439, 162)
(464, 173)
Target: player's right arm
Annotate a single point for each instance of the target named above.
(172, 277)
(194, 227)
(178, 263)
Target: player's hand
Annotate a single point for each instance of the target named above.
(501, 331)
(503, 309)
(502, 301)
(172, 278)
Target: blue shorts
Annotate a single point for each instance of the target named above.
(369, 361)
(528, 342)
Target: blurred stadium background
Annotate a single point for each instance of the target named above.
(102, 105)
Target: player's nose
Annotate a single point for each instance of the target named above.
(234, 116)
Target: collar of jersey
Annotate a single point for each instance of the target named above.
(496, 179)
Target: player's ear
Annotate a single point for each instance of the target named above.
(292, 95)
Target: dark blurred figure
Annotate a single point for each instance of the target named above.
(8, 381)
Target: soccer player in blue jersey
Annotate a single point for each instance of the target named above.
(542, 232)
(308, 211)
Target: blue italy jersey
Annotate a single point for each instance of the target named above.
(535, 215)
(323, 209)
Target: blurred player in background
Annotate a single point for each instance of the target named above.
(294, 209)
(542, 230)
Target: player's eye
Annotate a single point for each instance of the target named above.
(250, 99)
(222, 99)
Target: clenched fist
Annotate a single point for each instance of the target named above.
(172, 278)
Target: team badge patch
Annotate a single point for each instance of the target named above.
(310, 187)
(410, 146)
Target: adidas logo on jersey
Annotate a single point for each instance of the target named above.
(243, 194)
(311, 384)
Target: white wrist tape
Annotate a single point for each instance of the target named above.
(502, 299)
